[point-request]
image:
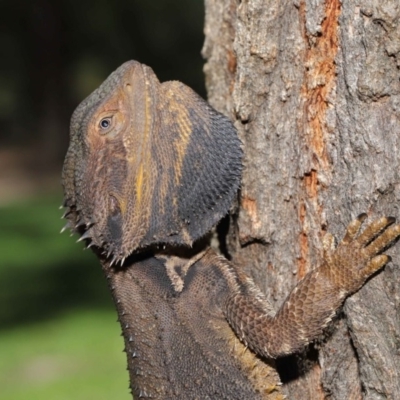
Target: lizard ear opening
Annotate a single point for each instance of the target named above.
(201, 175)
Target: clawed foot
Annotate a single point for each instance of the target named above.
(357, 256)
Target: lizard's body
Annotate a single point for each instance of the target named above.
(152, 166)
(165, 344)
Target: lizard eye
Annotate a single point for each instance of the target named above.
(105, 123)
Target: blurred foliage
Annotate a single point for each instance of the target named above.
(58, 333)
(42, 273)
(59, 338)
(76, 355)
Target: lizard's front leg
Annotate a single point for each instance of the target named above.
(315, 300)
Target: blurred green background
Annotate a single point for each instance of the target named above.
(59, 338)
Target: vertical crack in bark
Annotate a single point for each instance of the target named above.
(301, 264)
(311, 189)
(319, 82)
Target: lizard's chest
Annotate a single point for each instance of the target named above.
(178, 344)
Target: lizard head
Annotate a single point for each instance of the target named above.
(148, 163)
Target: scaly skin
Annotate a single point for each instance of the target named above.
(151, 168)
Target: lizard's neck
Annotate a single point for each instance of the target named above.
(145, 291)
(142, 292)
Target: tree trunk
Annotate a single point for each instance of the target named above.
(313, 88)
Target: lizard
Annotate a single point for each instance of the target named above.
(151, 168)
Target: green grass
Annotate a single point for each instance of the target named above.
(58, 333)
(75, 356)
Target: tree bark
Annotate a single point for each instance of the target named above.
(313, 87)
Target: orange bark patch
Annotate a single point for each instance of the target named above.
(311, 184)
(250, 206)
(319, 83)
(320, 80)
(232, 65)
(232, 62)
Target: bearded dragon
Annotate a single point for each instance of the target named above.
(150, 169)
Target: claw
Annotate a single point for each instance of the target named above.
(362, 217)
(376, 264)
(374, 229)
(383, 240)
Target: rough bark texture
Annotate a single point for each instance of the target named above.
(313, 87)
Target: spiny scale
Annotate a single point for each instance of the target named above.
(86, 235)
(66, 226)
